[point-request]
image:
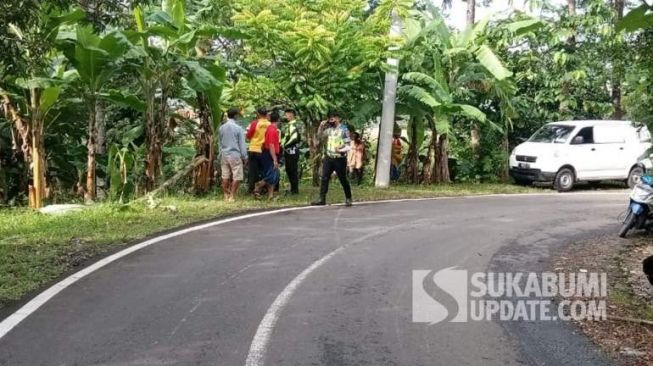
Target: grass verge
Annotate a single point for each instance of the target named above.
(35, 249)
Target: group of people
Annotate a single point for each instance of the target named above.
(268, 145)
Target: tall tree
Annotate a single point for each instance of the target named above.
(318, 54)
(617, 67)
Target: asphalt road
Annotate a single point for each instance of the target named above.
(199, 299)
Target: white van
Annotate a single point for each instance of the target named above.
(571, 151)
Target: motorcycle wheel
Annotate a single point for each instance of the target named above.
(629, 222)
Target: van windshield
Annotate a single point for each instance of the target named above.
(552, 133)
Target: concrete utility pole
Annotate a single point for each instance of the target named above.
(388, 113)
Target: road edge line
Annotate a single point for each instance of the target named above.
(11, 321)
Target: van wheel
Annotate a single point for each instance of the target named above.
(564, 180)
(634, 176)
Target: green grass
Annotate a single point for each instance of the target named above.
(36, 249)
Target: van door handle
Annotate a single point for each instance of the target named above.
(593, 149)
(621, 148)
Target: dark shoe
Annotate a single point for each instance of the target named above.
(348, 202)
(318, 203)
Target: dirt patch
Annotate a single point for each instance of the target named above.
(630, 295)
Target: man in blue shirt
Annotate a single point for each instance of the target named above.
(233, 153)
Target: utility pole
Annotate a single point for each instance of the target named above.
(388, 112)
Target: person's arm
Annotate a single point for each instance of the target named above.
(320, 130)
(241, 144)
(273, 153)
(272, 136)
(251, 129)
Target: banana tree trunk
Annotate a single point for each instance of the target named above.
(427, 169)
(205, 146)
(505, 171)
(91, 145)
(155, 116)
(413, 150)
(101, 123)
(442, 160)
(475, 137)
(22, 127)
(37, 189)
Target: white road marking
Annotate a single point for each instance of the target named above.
(258, 348)
(14, 319)
(19, 315)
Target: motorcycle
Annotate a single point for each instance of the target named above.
(640, 213)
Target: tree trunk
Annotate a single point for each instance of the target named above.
(22, 127)
(101, 123)
(505, 172)
(314, 150)
(442, 160)
(571, 9)
(204, 146)
(617, 68)
(475, 138)
(427, 170)
(37, 189)
(151, 143)
(155, 116)
(199, 160)
(91, 142)
(413, 151)
(471, 12)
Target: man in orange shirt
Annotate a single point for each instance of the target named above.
(269, 158)
(256, 137)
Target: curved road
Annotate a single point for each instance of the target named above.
(203, 297)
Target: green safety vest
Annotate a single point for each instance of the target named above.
(335, 140)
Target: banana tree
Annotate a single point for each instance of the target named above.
(29, 99)
(163, 55)
(205, 78)
(441, 68)
(95, 59)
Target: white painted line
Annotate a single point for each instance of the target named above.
(19, 315)
(14, 319)
(258, 348)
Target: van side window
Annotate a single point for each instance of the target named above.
(609, 135)
(587, 133)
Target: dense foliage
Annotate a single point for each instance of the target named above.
(106, 99)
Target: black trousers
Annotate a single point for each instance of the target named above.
(357, 174)
(254, 170)
(338, 165)
(292, 170)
